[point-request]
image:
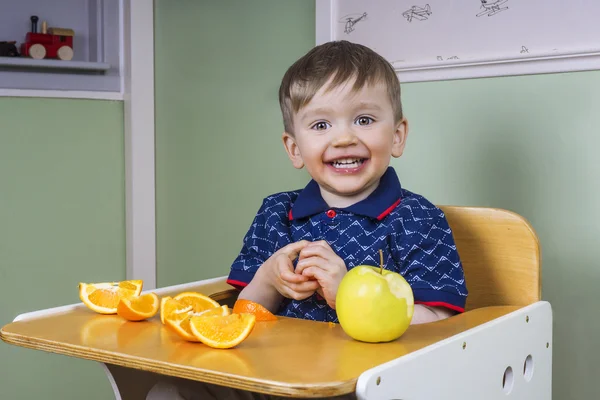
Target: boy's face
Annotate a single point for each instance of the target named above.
(346, 139)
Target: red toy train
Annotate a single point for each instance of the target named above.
(56, 43)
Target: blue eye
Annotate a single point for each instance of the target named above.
(320, 126)
(364, 121)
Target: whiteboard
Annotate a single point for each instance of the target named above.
(448, 39)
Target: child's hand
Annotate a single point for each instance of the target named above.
(278, 272)
(318, 261)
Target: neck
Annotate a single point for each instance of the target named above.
(342, 201)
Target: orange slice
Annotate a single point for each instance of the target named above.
(138, 308)
(198, 301)
(170, 307)
(104, 297)
(211, 312)
(250, 307)
(222, 332)
(180, 322)
(181, 326)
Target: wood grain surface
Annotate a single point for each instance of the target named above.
(287, 357)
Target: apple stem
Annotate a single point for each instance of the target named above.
(381, 261)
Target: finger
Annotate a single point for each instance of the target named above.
(320, 292)
(292, 250)
(317, 273)
(322, 243)
(298, 291)
(298, 295)
(312, 251)
(308, 286)
(287, 274)
(315, 261)
(320, 250)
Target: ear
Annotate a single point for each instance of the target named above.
(400, 135)
(292, 150)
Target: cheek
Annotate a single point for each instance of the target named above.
(379, 142)
(310, 149)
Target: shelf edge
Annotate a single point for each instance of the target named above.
(22, 62)
(62, 94)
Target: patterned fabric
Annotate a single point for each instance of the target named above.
(412, 233)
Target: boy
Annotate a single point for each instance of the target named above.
(343, 121)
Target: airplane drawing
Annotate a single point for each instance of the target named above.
(420, 13)
(492, 7)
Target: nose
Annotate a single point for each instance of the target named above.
(345, 139)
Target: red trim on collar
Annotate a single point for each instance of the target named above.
(237, 284)
(441, 304)
(389, 210)
(290, 215)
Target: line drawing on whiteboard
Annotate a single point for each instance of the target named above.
(350, 20)
(420, 13)
(524, 49)
(492, 7)
(440, 58)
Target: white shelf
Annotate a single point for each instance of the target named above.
(98, 67)
(62, 94)
(22, 62)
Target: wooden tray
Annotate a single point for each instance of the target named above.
(287, 357)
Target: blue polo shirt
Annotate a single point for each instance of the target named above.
(412, 233)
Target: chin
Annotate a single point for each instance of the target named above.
(349, 190)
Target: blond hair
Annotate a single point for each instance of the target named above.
(339, 61)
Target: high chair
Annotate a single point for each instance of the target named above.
(499, 348)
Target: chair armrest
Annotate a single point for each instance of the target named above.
(472, 365)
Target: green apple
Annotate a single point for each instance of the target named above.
(374, 305)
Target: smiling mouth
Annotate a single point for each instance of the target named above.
(347, 163)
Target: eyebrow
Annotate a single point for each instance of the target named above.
(326, 110)
(372, 106)
(320, 110)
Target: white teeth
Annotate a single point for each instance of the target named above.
(347, 163)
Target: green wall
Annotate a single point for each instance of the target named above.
(218, 125)
(61, 222)
(527, 144)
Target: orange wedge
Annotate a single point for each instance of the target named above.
(104, 297)
(222, 332)
(211, 312)
(170, 307)
(198, 301)
(180, 322)
(138, 308)
(250, 307)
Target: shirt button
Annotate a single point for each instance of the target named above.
(330, 213)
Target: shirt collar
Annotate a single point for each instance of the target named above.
(380, 203)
